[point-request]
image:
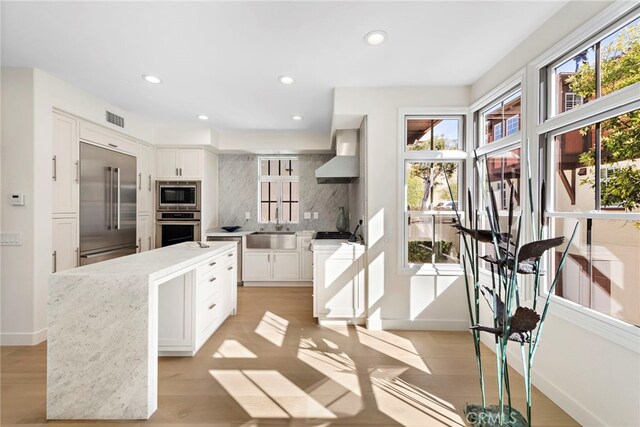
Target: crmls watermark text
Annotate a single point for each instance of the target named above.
(490, 419)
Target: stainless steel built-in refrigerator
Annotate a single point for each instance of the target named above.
(107, 204)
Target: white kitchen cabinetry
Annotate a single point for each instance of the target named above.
(113, 140)
(306, 259)
(268, 266)
(144, 180)
(179, 163)
(192, 307)
(65, 244)
(65, 164)
(144, 233)
(338, 283)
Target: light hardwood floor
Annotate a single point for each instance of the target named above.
(273, 365)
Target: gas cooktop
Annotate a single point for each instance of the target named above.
(333, 235)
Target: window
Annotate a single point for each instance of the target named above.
(594, 71)
(502, 118)
(593, 171)
(278, 190)
(428, 205)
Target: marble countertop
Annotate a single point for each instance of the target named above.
(155, 263)
(240, 233)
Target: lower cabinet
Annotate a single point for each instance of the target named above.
(306, 259)
(65, 251)
(144, 232)
(338, 283)
(191, 307)
(271, 265)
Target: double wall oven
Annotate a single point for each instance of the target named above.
(177, 212)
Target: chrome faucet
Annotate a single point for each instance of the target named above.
(278, 225)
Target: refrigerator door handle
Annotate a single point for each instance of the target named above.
(110, 206)
(118, 199)
(107, 252)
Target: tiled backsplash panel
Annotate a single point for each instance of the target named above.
(238, 189)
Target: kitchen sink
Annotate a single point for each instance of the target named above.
(272, 240)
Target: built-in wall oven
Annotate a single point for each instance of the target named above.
(178, 212)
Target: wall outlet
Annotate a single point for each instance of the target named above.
(11, 239)
(307, 215)
(315, 215)
(247, 215)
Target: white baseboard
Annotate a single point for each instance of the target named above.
(11, 338)
(278, 284)
(423, 324)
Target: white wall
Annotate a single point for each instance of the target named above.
(399, 299)
(176, 134)
(276, 142)
(27, 167)
(593, 378)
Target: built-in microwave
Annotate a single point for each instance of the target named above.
(178, 195)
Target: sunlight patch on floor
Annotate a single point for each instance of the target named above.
(393, 346)
(336, 366)
(408, 404)
(269, 394)
(273, 328)
(232, 349)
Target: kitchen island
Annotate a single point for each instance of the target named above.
(102, 360)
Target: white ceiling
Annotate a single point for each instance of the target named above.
(223, 58)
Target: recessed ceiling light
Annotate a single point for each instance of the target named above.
(375, 38)
(152, 79)
(286, 80)
(203, 117)
(297, 117)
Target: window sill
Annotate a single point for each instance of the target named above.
(616, 331)
(431, 270)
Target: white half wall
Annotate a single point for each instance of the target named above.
(399, 299)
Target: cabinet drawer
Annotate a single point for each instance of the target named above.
(209, 312)
(211, 267)
(108, 138)
(210, 284)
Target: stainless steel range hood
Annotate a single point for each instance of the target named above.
(345, 166)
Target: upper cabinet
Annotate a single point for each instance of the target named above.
(66, 166)
(179, 163)
(144, 179)
(103, 136)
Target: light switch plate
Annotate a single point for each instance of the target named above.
(307, 215)
(247, 215)
(315, 215)
(10, 239)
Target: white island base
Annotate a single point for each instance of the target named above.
(102, 355)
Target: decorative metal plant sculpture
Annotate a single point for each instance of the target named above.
(511, 321)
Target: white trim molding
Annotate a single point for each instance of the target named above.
(23, 338)
(424, 324)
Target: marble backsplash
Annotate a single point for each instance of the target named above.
(238, 193)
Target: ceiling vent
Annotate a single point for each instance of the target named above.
(115, 119)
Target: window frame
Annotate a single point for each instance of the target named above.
(442, 156)
(604, 23)
(276, 179)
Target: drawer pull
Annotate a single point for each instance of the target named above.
(230, 268)
(230, 255)
(211, 264)
(211, 306)
(212, 279)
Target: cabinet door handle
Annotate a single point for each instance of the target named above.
(113, 145)
(180, 171)
(212, 279)
(230, 268)
(211, 306)
(77, 257)
(149, 182)
(55, 168)
(230, 255)
(54, 255)
(149, 242)
(140, 181)
(140, 244)
(211, 264)
(268, 258)
(177, 172)
(77, 170)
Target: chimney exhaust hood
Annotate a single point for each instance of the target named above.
(345, 166)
